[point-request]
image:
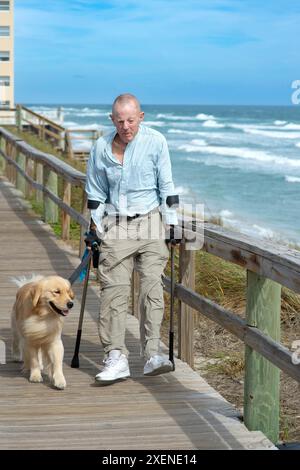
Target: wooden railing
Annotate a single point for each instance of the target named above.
(61, 138)
(268, 268)
(71, 135)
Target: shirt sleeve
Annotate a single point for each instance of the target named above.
(96, 189)
(166, 185)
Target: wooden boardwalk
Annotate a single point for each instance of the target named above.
(173, 411)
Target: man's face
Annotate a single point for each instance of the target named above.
(126, 118)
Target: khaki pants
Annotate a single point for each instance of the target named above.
(138, 243)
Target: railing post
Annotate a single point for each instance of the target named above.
(68, 145)
(3, 163)
(65, 220)
(8, 166)
(20, 180)
(19, 117)
(13, 153)
(186, 313)
(261, 398)
(29, 172)
(39, 179)
(50, 208)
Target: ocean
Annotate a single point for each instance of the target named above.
(241, 162)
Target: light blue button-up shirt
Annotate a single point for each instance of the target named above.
(141, 184)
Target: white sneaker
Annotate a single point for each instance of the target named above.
(158, 365)
(116, 367)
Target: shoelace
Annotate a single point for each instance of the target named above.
(110, 361)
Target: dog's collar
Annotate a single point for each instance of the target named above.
(57, 310)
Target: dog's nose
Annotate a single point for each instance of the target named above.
(70, 304)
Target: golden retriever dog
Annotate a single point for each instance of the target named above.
(37, 321)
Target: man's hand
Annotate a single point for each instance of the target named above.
(92, 239)
(93, 242)
(173, 234)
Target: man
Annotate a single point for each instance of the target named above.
(128, 178)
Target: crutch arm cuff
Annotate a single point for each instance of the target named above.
(92, 204)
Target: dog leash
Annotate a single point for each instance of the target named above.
(80, 268)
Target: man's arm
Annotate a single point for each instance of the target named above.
(166, 185)
(96, 189)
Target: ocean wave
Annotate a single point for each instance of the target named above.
(265, 127)
(212, 123)
(173, 117)
(94, 126)
(82, 145)
(297, 144)
(292, 126)
(70, 124)
(203, 117)
(181, 190)
(226, 214)
(274, 134)
(154, 123)
(247, 154)
(38, 109)
(180, 131)
(259, 232)
(254, 230)
(279, 123)
(292, 179)
(193, 147)
(68, 109)
(86, 114)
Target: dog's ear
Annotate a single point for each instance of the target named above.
(72, 295)
(36, 292)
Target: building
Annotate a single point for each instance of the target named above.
(6, 56)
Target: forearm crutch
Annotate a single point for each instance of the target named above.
(172, 202)
(75, 360)
(171, 331)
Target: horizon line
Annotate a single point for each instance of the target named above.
(292, 105)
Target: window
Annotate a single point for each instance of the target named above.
(4, 80)
(4, 31)
(4, 56)
(4, 104)
(4, 5)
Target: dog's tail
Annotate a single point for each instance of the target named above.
(22, 280)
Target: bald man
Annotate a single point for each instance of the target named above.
(128, 180)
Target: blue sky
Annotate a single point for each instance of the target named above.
(164, 51)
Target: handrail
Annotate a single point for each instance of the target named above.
(279, 263)
(268, 267)
(39, 116)
(58, 136)
(57, 165)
